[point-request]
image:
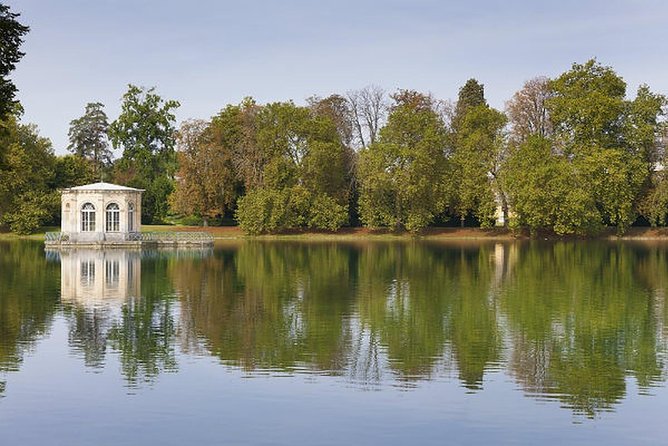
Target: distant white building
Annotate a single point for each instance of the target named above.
(100, 212)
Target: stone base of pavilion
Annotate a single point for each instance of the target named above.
(136, 240)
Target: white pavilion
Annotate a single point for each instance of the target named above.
(100, 212)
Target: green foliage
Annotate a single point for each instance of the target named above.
(595, 164)
(476, 161)
(33, 209)
(643, 126)
(654, 205)
(11, 37)
(614, 179)
(305, 176)
(532, 176)
(263, 211)
(27, 179)
(326, 213)
(402, 176)
(547, 192)
(586, 106)
(597, 155)
(72, 170)
(552, 192)
(472, 94)
(145, 131)
(206, 180)
(597, 167)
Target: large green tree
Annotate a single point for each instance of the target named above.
(206, 183)
(609, 138)
(339, 111)
(27, 180)
(299, 172)
(587, 107)
(547, 192)
(402, 175)
(145, 131)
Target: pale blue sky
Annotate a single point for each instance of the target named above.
(209, 53)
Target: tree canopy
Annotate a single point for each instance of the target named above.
(145, 131)
(403, 174)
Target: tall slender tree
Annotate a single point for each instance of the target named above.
(88, 137)
(478, 150)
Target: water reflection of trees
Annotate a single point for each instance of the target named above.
(569, 321)
(26, 310)
(581, 320)
(335, 307)
(271, 306)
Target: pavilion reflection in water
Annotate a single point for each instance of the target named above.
(90, 276)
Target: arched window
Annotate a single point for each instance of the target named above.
(88, 218)
(113, 221)
(131, 217)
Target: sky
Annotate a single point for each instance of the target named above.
(207, 54)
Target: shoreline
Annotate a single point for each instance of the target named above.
(365, 234)
(432, 233)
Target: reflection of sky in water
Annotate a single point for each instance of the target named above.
(206, 404)
(330, 344)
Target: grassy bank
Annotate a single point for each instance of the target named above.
(346, 234)
(234, 232)
(39, 235)
(351, 234)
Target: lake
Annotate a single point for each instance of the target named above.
(365, 343)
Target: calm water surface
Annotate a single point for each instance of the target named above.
(334, 343)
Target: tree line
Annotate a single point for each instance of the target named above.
(568, 155)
